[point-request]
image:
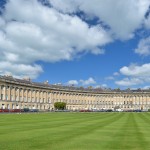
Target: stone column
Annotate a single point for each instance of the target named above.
(0, 92)
(22, 95)
(46, 97)
(9, 93)
(26, 95)
(38, 96)
(41, 96)
(14, 93)
(146, 102)
(52, 97)
(18, 94)
(136, 101)
(49, 97)
(31, 95)
(58, 96)
(133, 102)
(4, 94)
(35, 99)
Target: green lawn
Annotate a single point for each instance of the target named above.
(75, 131)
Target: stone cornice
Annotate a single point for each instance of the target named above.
(43, 86)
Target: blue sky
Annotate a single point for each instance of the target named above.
(80, 42)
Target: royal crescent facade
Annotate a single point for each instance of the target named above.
(23, 93)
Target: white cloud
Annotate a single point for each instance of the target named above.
(136, 71)
(129, 82)
(34, 32)
(88, 81)
(122, 16)
(146, 87)
(20, 70)
(104, 85)
(72, 82)
(2, 22)
(147, 22)
(143, 47)
(97, 51)
(47, 27)
(116, 74)
(66, 6)
(136, 75)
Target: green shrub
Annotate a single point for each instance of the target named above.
(60, 105)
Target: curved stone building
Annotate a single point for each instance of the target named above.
(23, 93)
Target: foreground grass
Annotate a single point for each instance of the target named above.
(75, 131)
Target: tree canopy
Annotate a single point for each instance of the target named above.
(60, 105)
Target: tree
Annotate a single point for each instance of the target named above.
(60, 105)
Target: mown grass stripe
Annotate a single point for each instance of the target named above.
(75, 131)
(82, 138)
(17, 126)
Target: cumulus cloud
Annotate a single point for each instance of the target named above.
(147, 23)
(104, 85)
(116, 74)
(147, 20)
(146, 87)
(34, 32)
(56, 33)
(2, 22)
(136, 71)
(123, 18)
(143, 47)
(72, 82)
(66, 6)
(88, 81)
(20, 70)
(136, 75)
(129, 82)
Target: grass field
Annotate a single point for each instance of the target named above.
(75, 131)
